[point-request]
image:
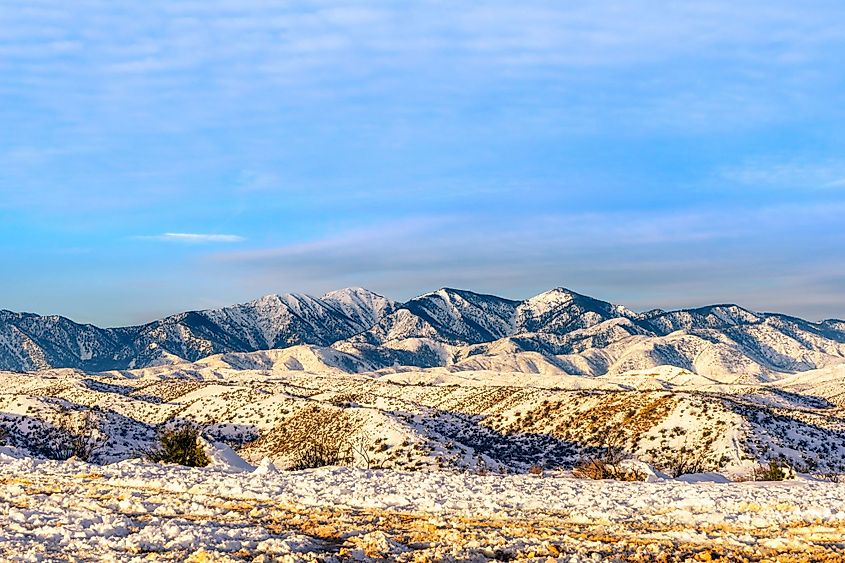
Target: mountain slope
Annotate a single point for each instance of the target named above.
(29, 342)
(356, 330)
(447, 315)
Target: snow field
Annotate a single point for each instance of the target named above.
(131, 510)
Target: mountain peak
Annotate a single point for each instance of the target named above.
(558, 321)
(271, 298)
(363, 306)
(450, 293)
(350, 292)
(557, 294)
(555, 298)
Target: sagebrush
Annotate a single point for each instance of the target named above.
(180, 445)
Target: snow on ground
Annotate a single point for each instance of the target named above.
(458, 430)
(134, 511)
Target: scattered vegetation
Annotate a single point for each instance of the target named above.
(831, 477)
(72, 434)
(773, 471)
(323, 448)
(303, 422)
(608, 463)
(317, 436)
(180, 445)
(594, 468)
(685, 461)
(535, 470)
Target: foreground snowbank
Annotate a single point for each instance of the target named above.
(128, 510)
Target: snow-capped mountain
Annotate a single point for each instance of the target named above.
(560, 311)
(30, 342)
(447, 315)
(357, 330)
(581, 335)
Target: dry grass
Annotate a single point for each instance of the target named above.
(427, 537)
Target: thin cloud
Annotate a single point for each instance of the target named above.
(193, 238)
(256, 47)
(840, 183)
(789, 175)
(670, 258)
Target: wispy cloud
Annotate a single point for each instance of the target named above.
(660, 258)
(840, 183)
(633, 146)
(259, 181)
(794, 174)
(193, 238)
(147, 60)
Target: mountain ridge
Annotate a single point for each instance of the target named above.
(573, 332)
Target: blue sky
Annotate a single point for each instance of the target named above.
(172, 155)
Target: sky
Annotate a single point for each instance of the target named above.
(162, 156)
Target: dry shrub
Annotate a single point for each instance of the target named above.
(535, 469)
(595, 468)
(180, 445)
(72, 434)
(773, 471)
(608, 463)
(685, 461)
(322, 448)
(317, 436)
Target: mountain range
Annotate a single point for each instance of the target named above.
(559, 331)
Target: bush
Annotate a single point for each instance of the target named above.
(323, 447)
(72, 434)
(608, 463)
(685, 461)
(317, 436)
(180, 445)
(774, 471)
(595, 468)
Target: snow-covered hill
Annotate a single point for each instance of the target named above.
(266, 405)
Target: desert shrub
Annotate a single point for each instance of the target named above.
(594, 468)
(535, 469)
(180, 445)
(684, 461)
(317, 436)
(607, 463)
(72, 434)
(363, 450)
(323, 448)
(773, 471)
